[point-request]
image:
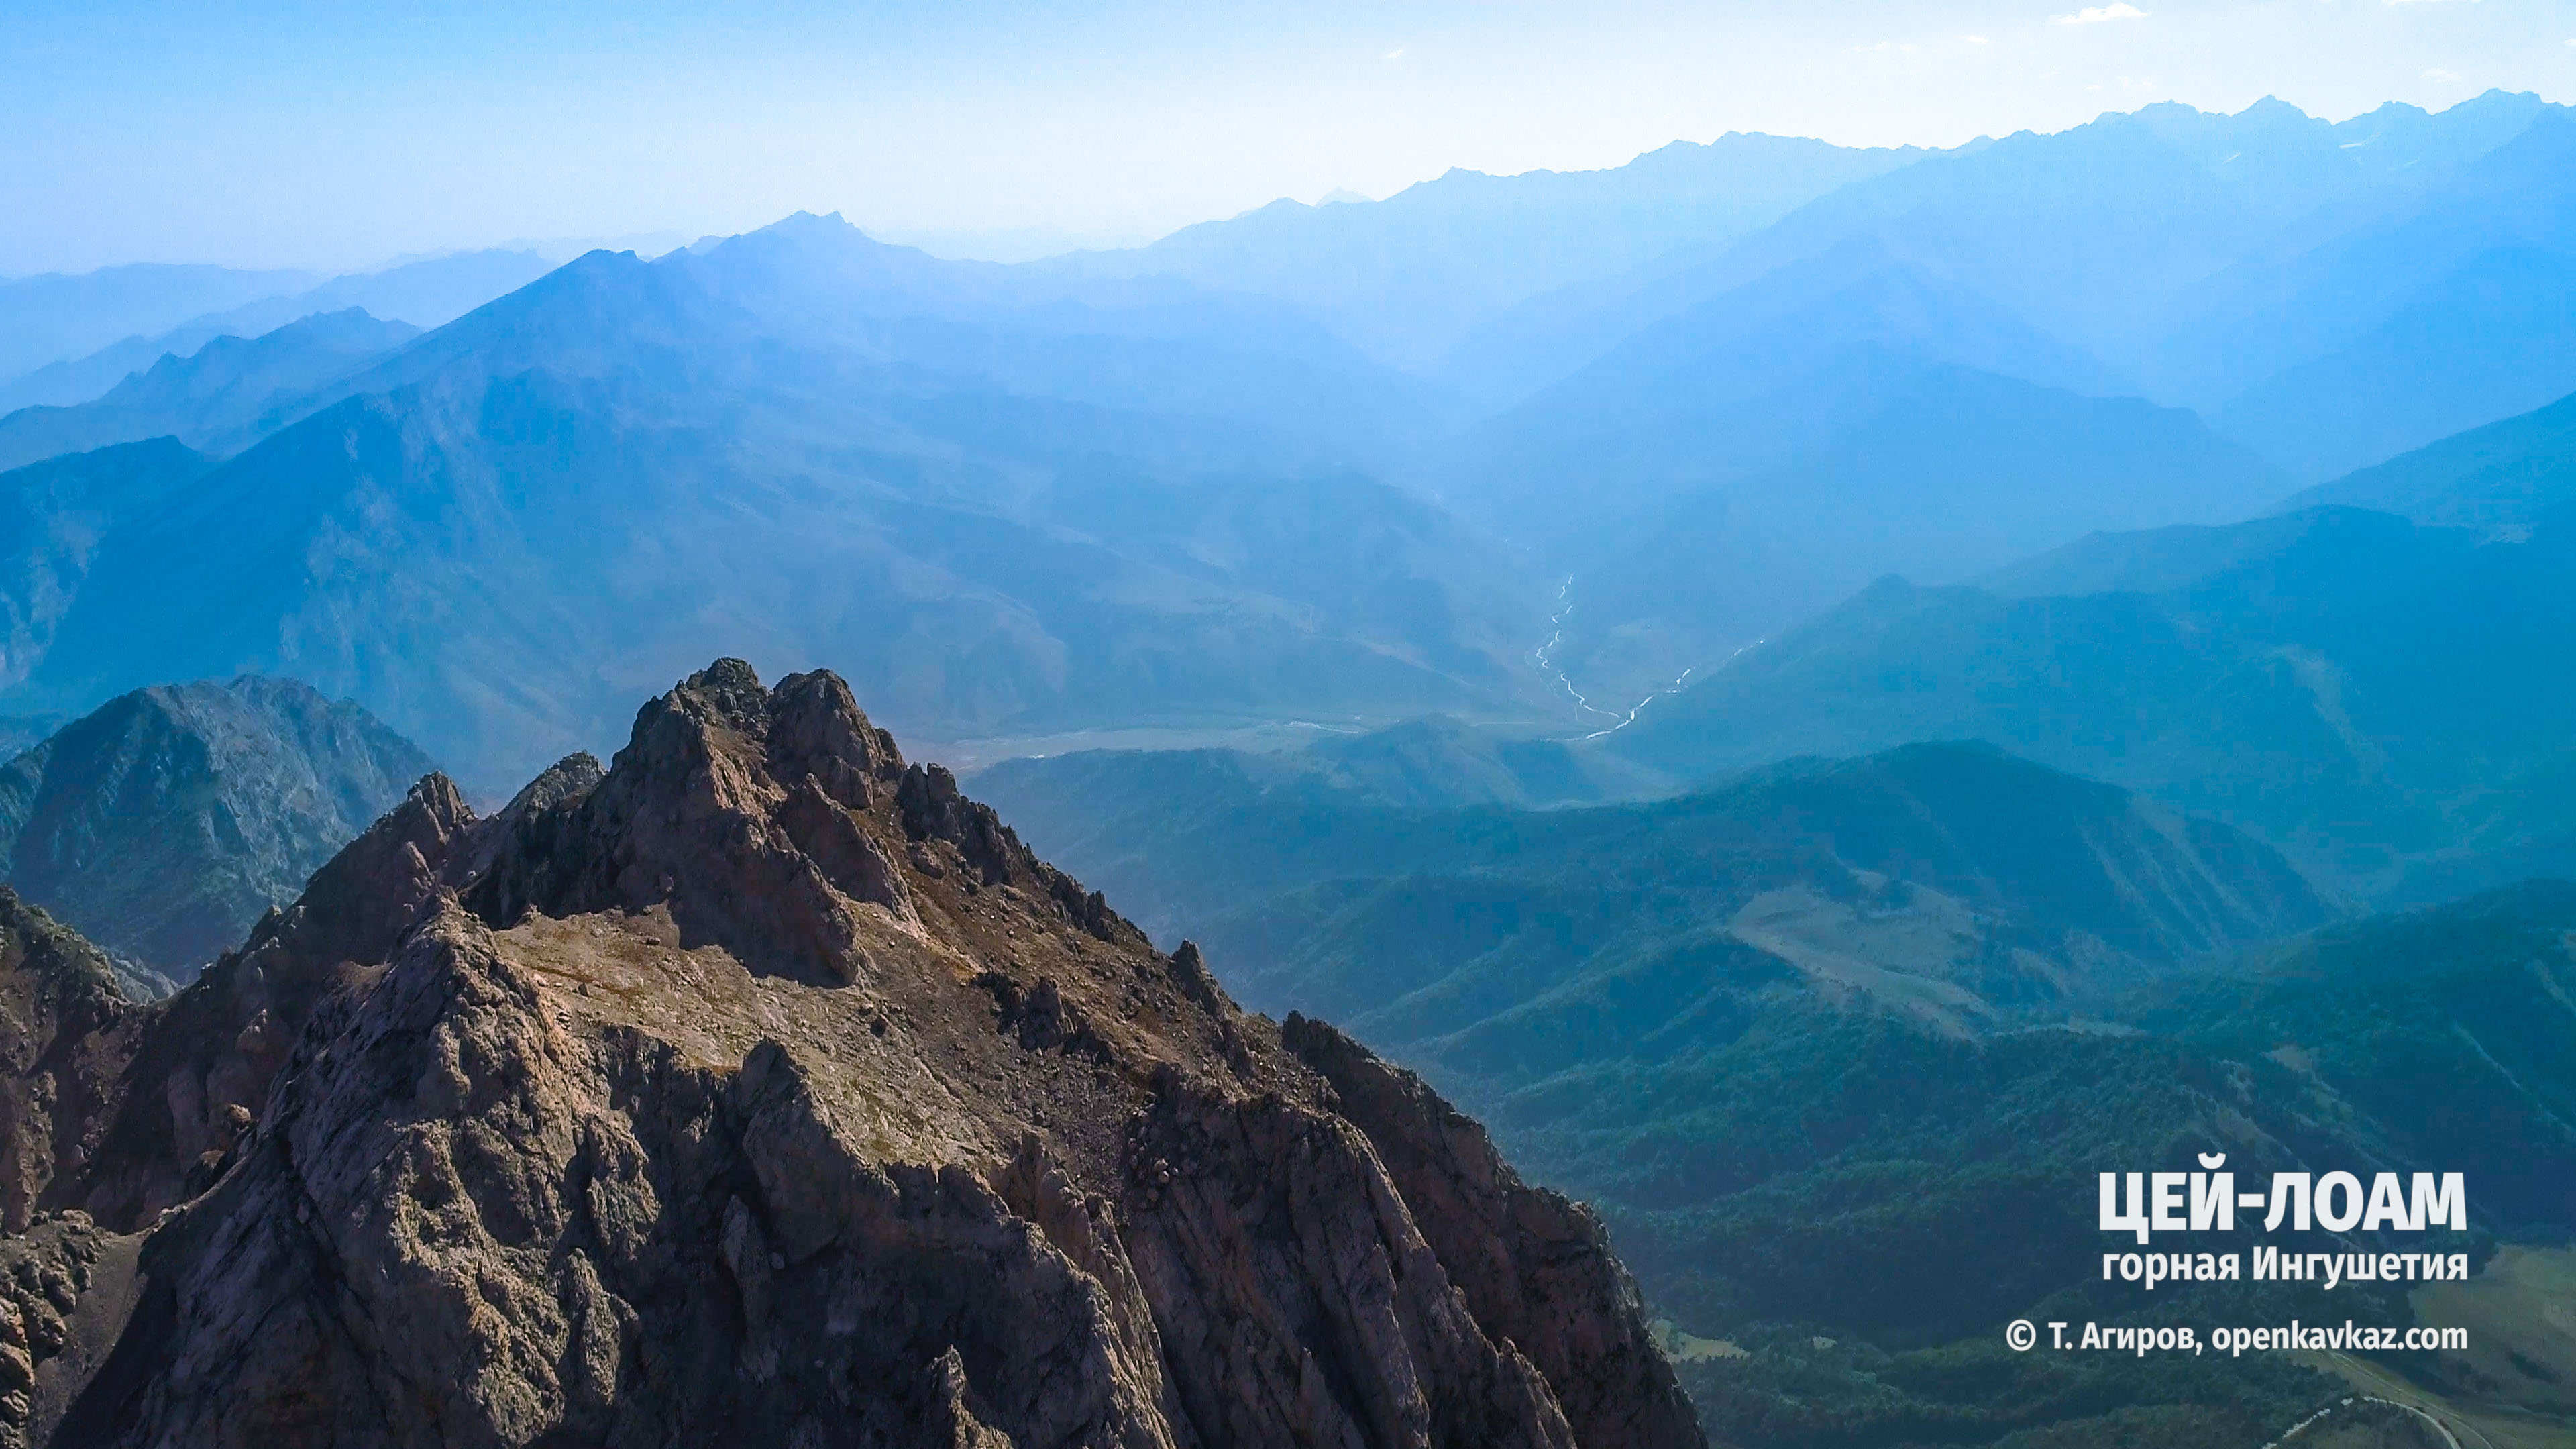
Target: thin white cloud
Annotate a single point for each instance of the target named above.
(2097, 14)
(1981, 40)
(2442, 76)
(1395, 54)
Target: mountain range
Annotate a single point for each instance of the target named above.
(54, 318)
(1003, 507)
(1729, 471)
(74, 338)
(222, 397)
(1408, 279)
(1965, 877)
(1227, 481)
(2506, 475)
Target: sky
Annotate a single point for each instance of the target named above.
(266, 133)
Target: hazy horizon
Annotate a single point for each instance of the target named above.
(1022, 243)
(157, 134)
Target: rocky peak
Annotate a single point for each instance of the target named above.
(765, 1085)
(734, 807)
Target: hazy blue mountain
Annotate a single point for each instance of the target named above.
(1406, 277)
(2502, 475)
(431, 292)
(2090, 232)
(2089, 235)
(52, 516)
(81, 379)
(2450, 318)
(1730, 470)
(2341, 680)
(224, 396)
(163, 824)
(53, 317)
(2336, 292)
(1000, 506)
(1148, 345)
(2342, 269)
(422, 294)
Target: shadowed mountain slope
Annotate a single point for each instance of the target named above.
(2445, 1028)
(52, 517)
(169, 820)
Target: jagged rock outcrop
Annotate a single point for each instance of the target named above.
(765, 1088)
(67, 1029)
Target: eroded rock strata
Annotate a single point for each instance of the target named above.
(762, 1088)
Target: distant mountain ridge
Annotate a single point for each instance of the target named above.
(220, 399)
(1719, 475)
(2505, 475)
(2447, 317)
(175, 311)
(1407, 277)
(1005, 501)
(52, 317)
(1160, 487)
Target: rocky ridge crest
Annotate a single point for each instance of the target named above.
(765, 1086)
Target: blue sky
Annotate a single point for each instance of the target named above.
(341, 135)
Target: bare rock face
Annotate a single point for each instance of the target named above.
(764, 1089)
(66, 1030)
(1533, 1265)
